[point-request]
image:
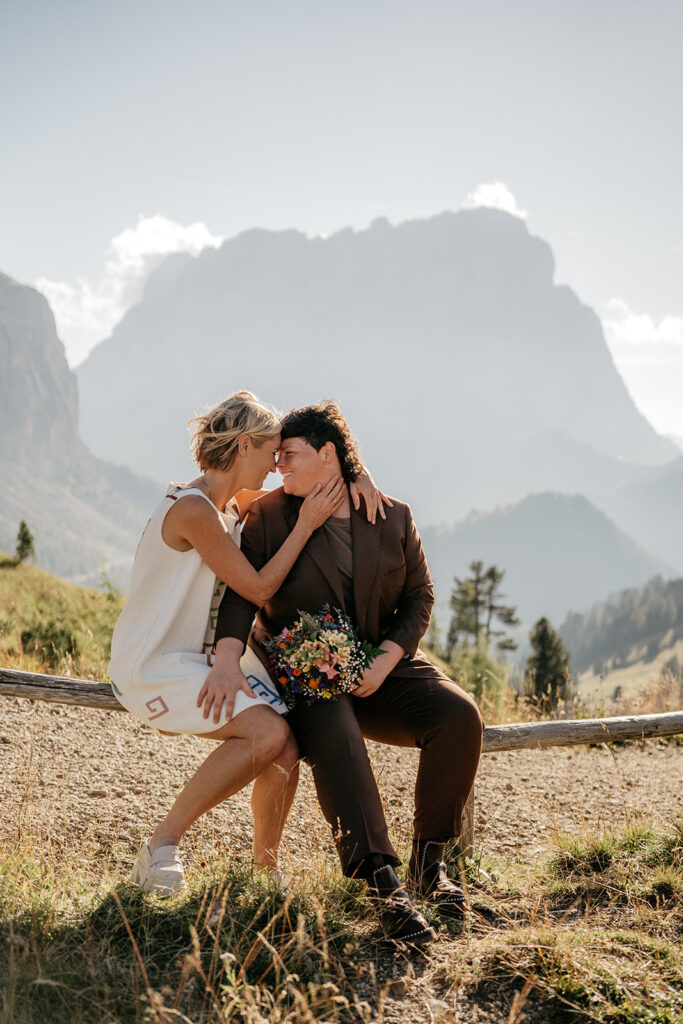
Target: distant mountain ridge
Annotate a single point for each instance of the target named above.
(559, 553)
(469, 376)
(85, 514)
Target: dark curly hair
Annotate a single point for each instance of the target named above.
(318, 424)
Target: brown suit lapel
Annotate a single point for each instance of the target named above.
(366, 548)
(319, 551)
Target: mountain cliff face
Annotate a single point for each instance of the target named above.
(85, 515)
(38, 393)
(457, 360)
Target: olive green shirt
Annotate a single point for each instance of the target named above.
(338, 534)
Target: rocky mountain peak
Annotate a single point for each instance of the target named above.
(38, 392)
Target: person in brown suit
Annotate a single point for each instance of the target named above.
(378, 575)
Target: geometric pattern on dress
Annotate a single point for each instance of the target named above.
(265, 692)
(208, 647)
(153, 704)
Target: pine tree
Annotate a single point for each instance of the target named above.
(25, 546)
(493, 578)
(475, 604)
(547, 668)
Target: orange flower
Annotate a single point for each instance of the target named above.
(297, 671)
(314, 683)
(282, 679)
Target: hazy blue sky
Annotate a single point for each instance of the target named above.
(317, 115)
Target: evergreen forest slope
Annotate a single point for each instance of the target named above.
(632, 625)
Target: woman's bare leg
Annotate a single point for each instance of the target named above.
(271, 800)
(249, 744)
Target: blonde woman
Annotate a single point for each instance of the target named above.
(161, 647)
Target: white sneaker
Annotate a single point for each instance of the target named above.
(279, 879)
(160, 872)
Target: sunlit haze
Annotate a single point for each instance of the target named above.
(136, 131)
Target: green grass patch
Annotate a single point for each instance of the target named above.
(635, 863)
(587, 974)
(47, 625)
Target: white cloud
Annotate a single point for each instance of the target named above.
(87, 312)
(497, 196)
(625, 329)
(649, 356)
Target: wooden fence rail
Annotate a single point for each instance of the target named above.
(515, 736)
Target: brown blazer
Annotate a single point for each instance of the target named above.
(393, 591)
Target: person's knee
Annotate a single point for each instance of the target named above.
(460, 715)
(474, 723)
(276, 738)
(288, 756)
(269, 736)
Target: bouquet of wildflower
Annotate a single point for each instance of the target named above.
(319, 657)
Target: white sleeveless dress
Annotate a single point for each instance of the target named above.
(161, 647)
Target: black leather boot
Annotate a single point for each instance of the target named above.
(428, 878)
(400, 921)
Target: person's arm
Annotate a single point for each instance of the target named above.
(414, 610)
(235, 616)
(196, 523)
(365, 487)
(236, 613)
(411, 619)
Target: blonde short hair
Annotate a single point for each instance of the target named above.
(216, 434)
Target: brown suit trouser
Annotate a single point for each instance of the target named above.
(417, 706)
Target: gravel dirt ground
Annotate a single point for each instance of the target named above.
(95, 782)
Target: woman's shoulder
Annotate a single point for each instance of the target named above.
(177, 491)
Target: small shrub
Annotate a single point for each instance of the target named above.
(482, 676)
(53, 639)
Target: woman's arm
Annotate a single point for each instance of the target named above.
(365, 487)
(199, 525)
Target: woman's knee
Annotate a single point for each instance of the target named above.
(273, 740)
(265, 731)
(288, 756)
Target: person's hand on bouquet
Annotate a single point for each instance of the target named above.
(379, 669)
